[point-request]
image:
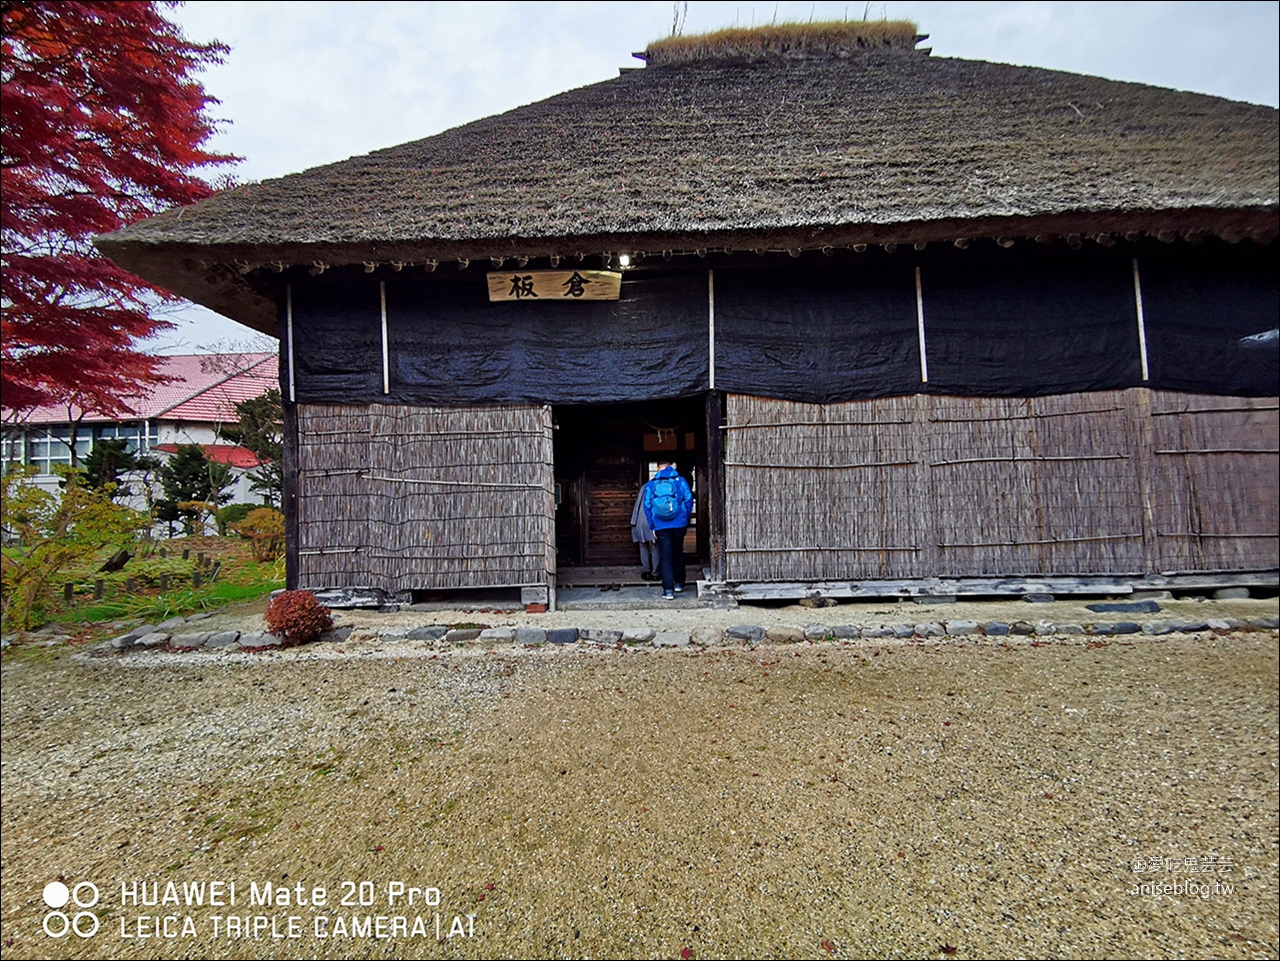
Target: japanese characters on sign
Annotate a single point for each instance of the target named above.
(536, 286)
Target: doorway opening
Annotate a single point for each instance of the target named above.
(604, 454)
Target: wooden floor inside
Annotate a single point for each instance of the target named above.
(625, 575)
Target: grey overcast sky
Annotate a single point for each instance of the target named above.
(313, 82)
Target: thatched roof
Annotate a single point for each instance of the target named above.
(797, 148)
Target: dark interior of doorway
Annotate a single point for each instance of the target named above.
(603, 455)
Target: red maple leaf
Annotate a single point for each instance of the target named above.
(102, 125)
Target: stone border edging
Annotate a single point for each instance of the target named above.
(176, 634)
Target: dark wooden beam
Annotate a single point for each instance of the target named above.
(289, 495)
(715, 505)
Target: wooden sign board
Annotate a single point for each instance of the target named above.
(541, 286)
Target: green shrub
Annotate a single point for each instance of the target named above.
(232, 514)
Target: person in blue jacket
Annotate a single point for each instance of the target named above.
(668, 502)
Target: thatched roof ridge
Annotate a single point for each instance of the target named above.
(878, 146)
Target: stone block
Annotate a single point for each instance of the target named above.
(751, 633)
(707, 636)
(1124, 607)
(995, 629)
(1125, 627)
(1046, 628)
(1038, 598)
(189, 641)
(462, 635)
(599, 635)
(535, 595)
(531, 636)
(222, 639)
(784, 635)
(846, 631)
(637, 635)
(562, 635)
(1022, 628)
(497, 635)
(260, 639)
(874, 632)
(1266, 623)
(154, 639)
(1230, 593)
(1070, 628)
(432, 632)
(816, 632)
(1157, 627)
(935, 599)
(904, 630)
(961, 628)
(336, 636)
(930, 629)
(671, 639)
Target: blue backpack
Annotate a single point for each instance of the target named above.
(666, 498)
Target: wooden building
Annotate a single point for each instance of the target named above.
(905, 320)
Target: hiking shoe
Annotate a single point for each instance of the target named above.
(679, 588)
(668, 597)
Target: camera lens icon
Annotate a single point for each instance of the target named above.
(84, 923)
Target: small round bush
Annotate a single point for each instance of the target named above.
(264, 528)
(297, 617)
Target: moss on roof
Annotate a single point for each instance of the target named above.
(825, 37)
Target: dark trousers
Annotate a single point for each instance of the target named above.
(671, 557)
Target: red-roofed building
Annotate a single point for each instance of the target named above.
(193, 407)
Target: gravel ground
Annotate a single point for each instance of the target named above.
(973, 798)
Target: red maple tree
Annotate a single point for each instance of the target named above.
(102, 124)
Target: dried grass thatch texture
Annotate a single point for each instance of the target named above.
(413, 498)
(840, 37)
(1114, 482)
(888, 146)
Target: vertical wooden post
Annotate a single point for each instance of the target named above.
(289, 453)
(714, 484)
(130, 585)
(1143, 463)
(289, 495)
(195, 579)
(68, 592)
(97, 589)
(164, 582)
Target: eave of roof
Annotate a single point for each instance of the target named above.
(883, 147)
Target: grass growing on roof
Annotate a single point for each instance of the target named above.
(823, 37)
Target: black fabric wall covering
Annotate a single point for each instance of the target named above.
(1026, 328)
(1212, 327)
(1038, 329)
(820, 337)
(462, 349)
(337, 343)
